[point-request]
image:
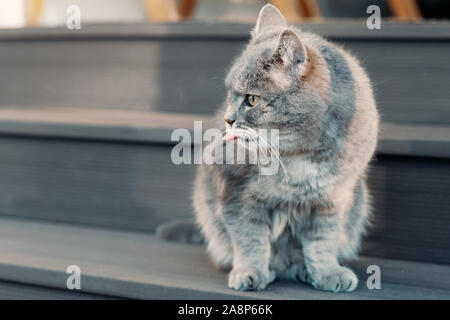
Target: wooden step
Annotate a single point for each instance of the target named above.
(20, 291)
(113, 169)
(156, 127)
(96, 124)
(139, 67)
(130, 265)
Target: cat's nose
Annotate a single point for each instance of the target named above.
(230, 122)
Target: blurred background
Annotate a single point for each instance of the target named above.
(88, 102)
(21, 13)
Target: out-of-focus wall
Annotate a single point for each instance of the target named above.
(228, 10)
(12, 14)
(54, 12)
(98, 11)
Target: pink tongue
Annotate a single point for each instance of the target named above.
(229, 137)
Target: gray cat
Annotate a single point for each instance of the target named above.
(302, 222)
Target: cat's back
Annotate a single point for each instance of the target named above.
(346, 86)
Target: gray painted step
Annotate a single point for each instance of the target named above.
(108, 125)
(140, 266)
(157, 127)
(113, 169)
(139, 67)
(20, 291)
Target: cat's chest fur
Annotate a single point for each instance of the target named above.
(299, 183)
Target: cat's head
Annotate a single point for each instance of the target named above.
(269, 86)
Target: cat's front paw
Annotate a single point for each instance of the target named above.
(336, 280)
(249, 278)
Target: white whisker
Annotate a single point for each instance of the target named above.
(272, 150)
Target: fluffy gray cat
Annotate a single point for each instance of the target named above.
(302, 222)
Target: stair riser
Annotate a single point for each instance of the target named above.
(150, 74)
(137, 187)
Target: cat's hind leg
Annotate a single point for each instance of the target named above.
(357, 219)
(207, 208)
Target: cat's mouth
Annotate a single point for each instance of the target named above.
(229, 137)
(238, 133)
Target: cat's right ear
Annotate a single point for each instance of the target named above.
(268, 18)
(292, 53)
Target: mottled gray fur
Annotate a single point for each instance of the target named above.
(303, 222)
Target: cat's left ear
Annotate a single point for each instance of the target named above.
(269, 18)
(293, 53)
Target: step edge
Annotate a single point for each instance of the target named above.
(109, 286)
(47, 266)
(155, 127)
(345, 29)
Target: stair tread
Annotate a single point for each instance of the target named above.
(128, 125)
(346, 28)
(137, 265)
(121, 125)
(138, 67)
(20, 291)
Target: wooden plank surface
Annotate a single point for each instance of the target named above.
(141, 266)
(96, 124)
(139, 67)
(21, 291)
(414, 140)
(330, 28)
(133, 186)
(411, 202)
(129, 186)
(157, 127)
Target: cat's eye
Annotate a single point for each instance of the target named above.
(252, 99)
